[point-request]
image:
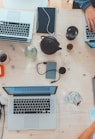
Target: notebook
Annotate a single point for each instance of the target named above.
(46, 20)
(16, 25)
(31, 107)
(89, 36)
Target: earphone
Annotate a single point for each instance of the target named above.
(61, 70)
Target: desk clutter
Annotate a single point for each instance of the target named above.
(50, 55)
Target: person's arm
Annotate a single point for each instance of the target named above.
(89, 132)
(89, 10)
(84, 3)
(90, 17)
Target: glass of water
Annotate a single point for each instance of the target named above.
(31, 52)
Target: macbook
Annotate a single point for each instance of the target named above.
(16, 25)
(31, 107)
(89, 36)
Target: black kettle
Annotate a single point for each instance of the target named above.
(49, 45)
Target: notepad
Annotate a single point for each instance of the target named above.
(45, 20)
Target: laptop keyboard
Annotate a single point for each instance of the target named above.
(89, 34)
(32, 106)
(15, 29)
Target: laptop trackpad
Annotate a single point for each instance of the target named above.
(31, 121)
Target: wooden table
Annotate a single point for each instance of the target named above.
(80, 69)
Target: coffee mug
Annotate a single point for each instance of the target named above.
(71, 33)
(4, 58)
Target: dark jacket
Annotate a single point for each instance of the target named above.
(85, 3)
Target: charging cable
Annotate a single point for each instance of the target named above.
(62, 70)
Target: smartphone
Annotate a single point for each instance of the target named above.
(51, 70)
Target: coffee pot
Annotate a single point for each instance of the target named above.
(49, 45)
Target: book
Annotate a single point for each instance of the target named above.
(45, 20)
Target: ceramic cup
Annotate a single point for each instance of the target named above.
(71, 33)
(4, 58)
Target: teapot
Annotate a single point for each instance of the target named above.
(49, 45)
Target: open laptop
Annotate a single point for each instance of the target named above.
(89, 36)
(24, 4)
(16, 25)
(31, 107)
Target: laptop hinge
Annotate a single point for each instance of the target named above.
(13, 38)
(31, 95)
(91, 40)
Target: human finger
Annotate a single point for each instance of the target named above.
(92, 25)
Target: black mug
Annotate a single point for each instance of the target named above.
(3, 57)
(71, 33)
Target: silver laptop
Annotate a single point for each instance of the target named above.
(89, 36)
(31, 107)
(16, 25)
(25, 4)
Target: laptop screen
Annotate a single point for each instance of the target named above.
(30, 90)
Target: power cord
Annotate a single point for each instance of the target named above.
(62, 70)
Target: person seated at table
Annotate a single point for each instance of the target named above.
(88, 133)
(88, 7)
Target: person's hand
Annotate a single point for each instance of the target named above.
(88, 133)
(93, 126)
(90, 17)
